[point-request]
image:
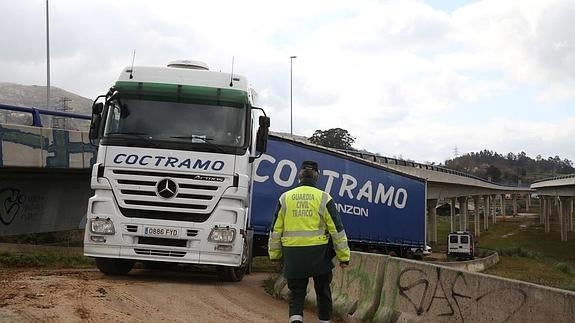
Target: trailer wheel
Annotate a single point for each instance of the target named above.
(114, 266)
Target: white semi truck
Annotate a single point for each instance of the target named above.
(172, 181)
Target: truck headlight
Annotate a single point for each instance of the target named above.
(226, 235)
(102, 226)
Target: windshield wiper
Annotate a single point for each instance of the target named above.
(140, 135)
(202, 138)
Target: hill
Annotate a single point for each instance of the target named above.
(510, 168)
(35, 96)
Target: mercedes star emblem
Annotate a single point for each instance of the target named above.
(166, 188)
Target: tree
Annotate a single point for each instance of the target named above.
(494, 173)
(333, 138)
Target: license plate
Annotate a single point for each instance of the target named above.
(160, 232)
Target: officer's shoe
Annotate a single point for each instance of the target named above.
(296, 319)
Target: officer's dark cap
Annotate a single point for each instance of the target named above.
(309, 164)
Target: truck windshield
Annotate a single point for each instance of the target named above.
(209, 125)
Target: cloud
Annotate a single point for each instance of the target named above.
(390, 72)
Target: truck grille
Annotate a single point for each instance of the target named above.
(195, 199)
(154, 252)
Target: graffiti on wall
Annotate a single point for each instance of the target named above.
(11, 202)
(21, 208)
(59, 148)
(357, 283)
(428, 293)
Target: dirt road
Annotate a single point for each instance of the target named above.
(142, 296)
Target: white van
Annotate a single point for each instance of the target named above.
(460, 245)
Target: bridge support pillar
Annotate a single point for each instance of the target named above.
(514, 204)
(463, 207)
(452, 213)
(541, 210)
(563, 207)
(494, 214)
(503, 211)
(543, 207)
(476, 224)
(486, 208)
(466, 217)
(432, 212)
(571, 228)
(548, 213)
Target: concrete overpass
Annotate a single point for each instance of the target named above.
(556, 195)
(458, 188)
(44, 173)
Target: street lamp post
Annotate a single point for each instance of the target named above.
(291, 94)
(47, 57)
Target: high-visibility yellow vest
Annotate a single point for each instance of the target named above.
(304, 220)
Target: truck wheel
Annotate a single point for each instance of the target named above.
(114, 266)
(231, 274)
(235, 274)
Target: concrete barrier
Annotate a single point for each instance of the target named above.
(476, 265)
(416, 291)
(356, 289)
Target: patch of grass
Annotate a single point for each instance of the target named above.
(526, 251)
(50, 260)
(565, 268)
(518, 252)
(263, 264)
(530, 270)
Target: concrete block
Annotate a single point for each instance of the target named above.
(356, 289)
(279, 284)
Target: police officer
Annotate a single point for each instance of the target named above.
(305, 220)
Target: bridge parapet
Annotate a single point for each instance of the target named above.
(34, 146)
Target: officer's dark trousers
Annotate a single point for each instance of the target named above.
(297, 289)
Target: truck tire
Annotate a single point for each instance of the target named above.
(236, 274)
(231, 274)
(114, 266)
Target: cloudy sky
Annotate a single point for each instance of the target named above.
(407, 78)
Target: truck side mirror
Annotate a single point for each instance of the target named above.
(96, 121)
(262, 136)
(97, 108)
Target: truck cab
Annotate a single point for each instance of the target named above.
(173, 177)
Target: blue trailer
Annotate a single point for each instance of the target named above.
(381, 209)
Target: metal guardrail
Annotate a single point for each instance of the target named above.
(402, 162)
(554, 178)
(36, 113)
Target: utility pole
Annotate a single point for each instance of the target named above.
(290, 94)
(47, 57)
